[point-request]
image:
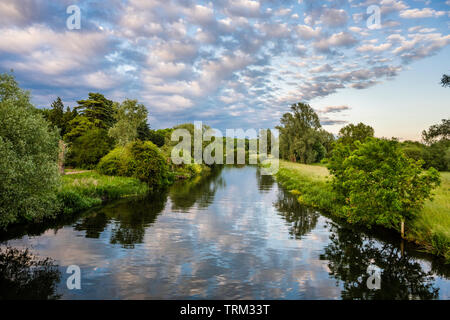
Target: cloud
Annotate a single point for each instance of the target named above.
(342, 39)
(243, 60)
(421, 13)
(334, 109)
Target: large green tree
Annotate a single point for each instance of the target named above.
(29, 175)
(130, 115)
(378, 184)
(351, 133)
(300, 135)
(88, 132)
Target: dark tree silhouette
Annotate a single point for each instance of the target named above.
(445, 81)
(24, 276)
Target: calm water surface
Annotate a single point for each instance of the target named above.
(232, 235)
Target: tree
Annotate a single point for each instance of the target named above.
(300, 135)
(129, 116)
(378, 184)
(58, 117)
(437, 132)
(445, 81)
(88, 131)
(87, 149)
(28, 163)
(97, 107)
(351, 133)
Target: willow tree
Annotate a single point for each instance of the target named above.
(28, 163)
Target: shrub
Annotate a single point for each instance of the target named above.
(142, 160)
(378, 184)
(149, 164)
(86, 150)
(29, 176)
(118, 162)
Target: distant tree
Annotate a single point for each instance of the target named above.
(28, 162)
(299, 135)
(445, 81)
(58, 117)
(351, 133)
(129, 116)
(437, 132)
(143, 132)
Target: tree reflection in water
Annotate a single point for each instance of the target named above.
(199, 190)
(24, 276)
(402, 277)
(302, 219)
(129, 219)
(265, 182)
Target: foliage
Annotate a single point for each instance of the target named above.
(88, 132)
(142, 160)
(149, 164)
(28, 163)
(118, 162)
(97, 107)
(437, 132)
(351, 133)
(58, 117)
(300, 137)
(129, 116)
(87, 149)
(378, 184)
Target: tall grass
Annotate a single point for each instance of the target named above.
(432, 226)
(84, 190)
(430, 229)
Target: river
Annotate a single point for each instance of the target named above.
(234, 234)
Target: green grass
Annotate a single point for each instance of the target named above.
(431, 228)
(84, 190)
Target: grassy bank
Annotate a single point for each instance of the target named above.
(431, 228)
(81, 191)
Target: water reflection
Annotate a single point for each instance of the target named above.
(128, 219)
(233, 234)
(265, 182)
(200, 190)
(402, 276)
(301, 219)
(25, 276)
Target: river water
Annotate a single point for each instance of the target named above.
(234, 234)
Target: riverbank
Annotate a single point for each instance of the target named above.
(431, 228)
(84, 189)
(81, 191)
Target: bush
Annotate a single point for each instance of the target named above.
(378, 184)
(28, 162)
(149, 164)
(86, 150)
(118, 162)
(142, 160)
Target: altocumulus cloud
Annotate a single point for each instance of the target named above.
(227, 62)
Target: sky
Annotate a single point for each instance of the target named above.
(239, 63)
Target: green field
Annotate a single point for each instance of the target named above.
(431, 228)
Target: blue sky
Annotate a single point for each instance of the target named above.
(239, 63)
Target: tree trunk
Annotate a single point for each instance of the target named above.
(61, 154)
(403, 229)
